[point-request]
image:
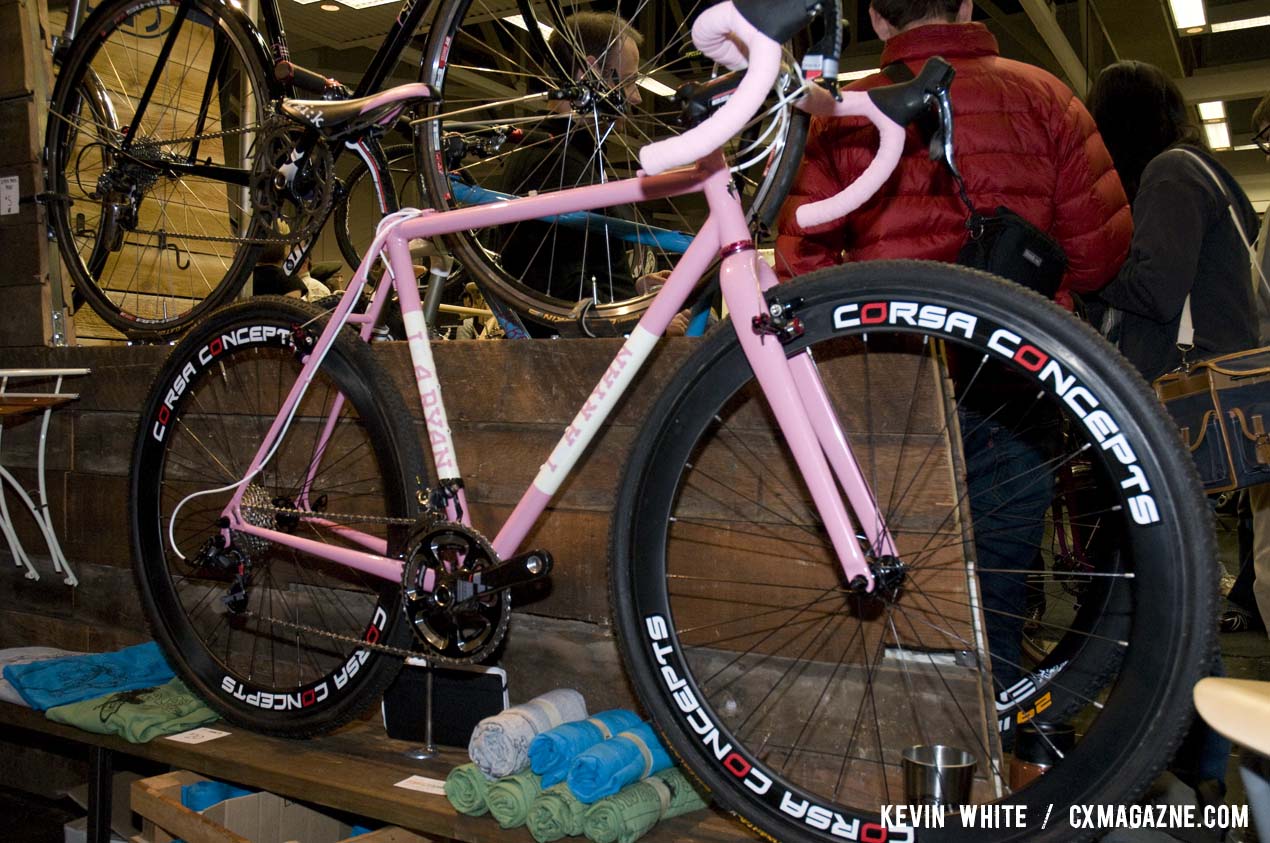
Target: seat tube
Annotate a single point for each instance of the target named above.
(740, 281)
(444, 458)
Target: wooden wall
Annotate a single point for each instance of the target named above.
(24, 64)
(508, 403)
(503, 429)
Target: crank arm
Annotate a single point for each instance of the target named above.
(517, 570)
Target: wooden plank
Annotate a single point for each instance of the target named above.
(17, 404)
(354, 770)
(158, 799)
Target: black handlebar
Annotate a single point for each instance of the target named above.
(906, 101)
(778, 20)
(698, 100)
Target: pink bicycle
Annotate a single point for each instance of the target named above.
(803, 578)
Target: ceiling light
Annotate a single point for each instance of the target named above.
(1244, 147)
(366, 4)
(329, 7)
(1246, 23)
(1188, 13)
(1212, 111)
(519, 22)
(650, 84)
(1218, 135)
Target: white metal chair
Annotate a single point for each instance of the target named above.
(22, 403)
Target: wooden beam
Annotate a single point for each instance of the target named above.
(1042, 16)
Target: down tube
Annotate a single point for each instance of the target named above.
(630, 358)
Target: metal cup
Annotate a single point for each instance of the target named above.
(937, 775)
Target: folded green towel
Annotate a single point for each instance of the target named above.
(467, 789)
(555, 813)
(137, 716)
(511, 796)
(627, 815)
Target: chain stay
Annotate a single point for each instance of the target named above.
(307, 233)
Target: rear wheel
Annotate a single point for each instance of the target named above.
(273, 637)
(792, 696)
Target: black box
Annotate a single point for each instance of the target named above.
(461, 698)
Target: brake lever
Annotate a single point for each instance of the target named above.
(942, 142)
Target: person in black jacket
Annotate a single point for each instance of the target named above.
(1185, 247)
(1184, 241)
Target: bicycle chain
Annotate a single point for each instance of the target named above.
(348, 639)
(301, 236)
(341, 517)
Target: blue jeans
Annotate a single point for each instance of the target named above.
(1011, 485)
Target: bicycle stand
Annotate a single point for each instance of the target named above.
(429, 748)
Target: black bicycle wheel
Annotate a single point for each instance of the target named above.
(489, 137)
(150, 244)
(358, 214)
(273, 637)
(793, 697)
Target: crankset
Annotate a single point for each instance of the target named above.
(455, 590)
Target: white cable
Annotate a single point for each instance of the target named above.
(385, 227)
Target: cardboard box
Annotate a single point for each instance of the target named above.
(257, 818)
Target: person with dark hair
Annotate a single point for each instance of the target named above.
(1023, 140)
(1261, 137)
(1248, 604)
(1185, 246)
(269, 279)
(1187, 254)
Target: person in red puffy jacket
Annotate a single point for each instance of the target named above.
(1023, 140)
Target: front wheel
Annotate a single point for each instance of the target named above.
(272, 637)
(970, 405)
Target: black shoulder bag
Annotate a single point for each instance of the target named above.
(1002, 243)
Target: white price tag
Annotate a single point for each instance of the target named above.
(8, 195)
(423, 784)
(202, 735)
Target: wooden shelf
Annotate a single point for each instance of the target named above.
(354, 770)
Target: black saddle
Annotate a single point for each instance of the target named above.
(342, 117)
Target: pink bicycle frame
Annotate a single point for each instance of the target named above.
(791, 384)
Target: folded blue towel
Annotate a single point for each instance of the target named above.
(55, 682)
(552, 752)
(607, 767)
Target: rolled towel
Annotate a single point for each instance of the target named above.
(551, 753)
(500, 744)
(511, 796)
(468, 790)
(607, 767)
(628, 815)
(555, 813)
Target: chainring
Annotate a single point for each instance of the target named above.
(290, 199)
(452, 621)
